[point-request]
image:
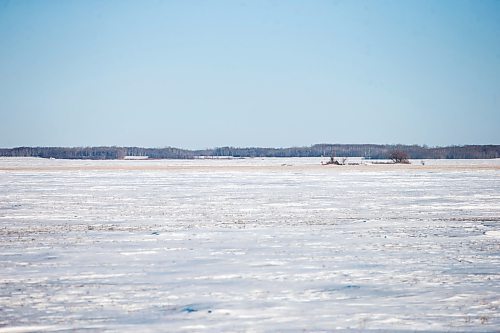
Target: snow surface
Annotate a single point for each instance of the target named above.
(249, 245)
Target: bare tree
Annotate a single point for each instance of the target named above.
(399, 156)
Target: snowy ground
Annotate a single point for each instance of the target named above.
(249, 245)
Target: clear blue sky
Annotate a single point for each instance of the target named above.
(199, 74)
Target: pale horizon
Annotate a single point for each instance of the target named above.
(262, 147)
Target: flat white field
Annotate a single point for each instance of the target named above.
(249, 245)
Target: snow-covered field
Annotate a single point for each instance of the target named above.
(249, 245)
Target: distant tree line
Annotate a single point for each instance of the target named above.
(368, 151)
(96, 153)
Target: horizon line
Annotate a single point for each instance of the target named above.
(425, 146)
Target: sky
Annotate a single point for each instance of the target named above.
(202, 74)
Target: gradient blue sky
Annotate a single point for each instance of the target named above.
(199, 74)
